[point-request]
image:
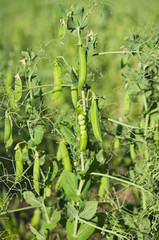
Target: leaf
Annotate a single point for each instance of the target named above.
(72, 212)
(18, 88)
(67, 133)
(124, 60)
(70, 230)
(38, 135)
(55, 218)
(89, 210)
(129, 221)
(31, 199)
(37, 234)
(71, 24)
(144, 225)
(52, 171)
(86, 188)
(62, 29)
(85, 231)
(70, 185)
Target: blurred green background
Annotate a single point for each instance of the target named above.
(33, 24)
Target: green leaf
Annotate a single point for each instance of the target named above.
(70, 230)
(71, 24)
(85, 231)
(124, 60)
(86, 188)
(62, 29)
(70, 185)
(52, 171)
(144, 225)
(25, 54)
(55, 218)
(89, 210)
(72, 212)
(18, 88)
(129, 221)
(68, 134)
(37, 234)
(31, 199)
(38, 133)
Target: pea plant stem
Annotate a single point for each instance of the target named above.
(102, 229)
(19, 209)
(117, 179)
(118, 52)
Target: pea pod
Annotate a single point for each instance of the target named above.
(36, 173)
(126, 103)
(74, 89)
(19, 163)
(104, 186)
(83, 130)
(9, 82)
(7, 127)
(65, 156)
(74, 95)
(95, 119)
(82, 66)
(35, 221)
(18, 88)
(57, 81)
(132, 151)
(9, 91)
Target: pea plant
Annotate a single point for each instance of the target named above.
(77, 192)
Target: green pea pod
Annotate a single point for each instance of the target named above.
(104, 186)
(82, 66)
(126, 103)
(10, 140)
(9, 90)
(19, 163)
(57, 81)
(7, 127)
(58, 155)
(35, 221)
(83, 141)
(132, 151)
(116, 144)
(65, 156)
(83, 130)
(36, 173)
(95, 119)
(74, 96)
(18, 88)
(9, 82)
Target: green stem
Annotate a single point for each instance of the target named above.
(19, 209)
(75, 227)
(118, 179)
(102, 229)
(29, 83)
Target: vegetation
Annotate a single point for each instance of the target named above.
(79, 120)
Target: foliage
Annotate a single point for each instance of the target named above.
(81, 171)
